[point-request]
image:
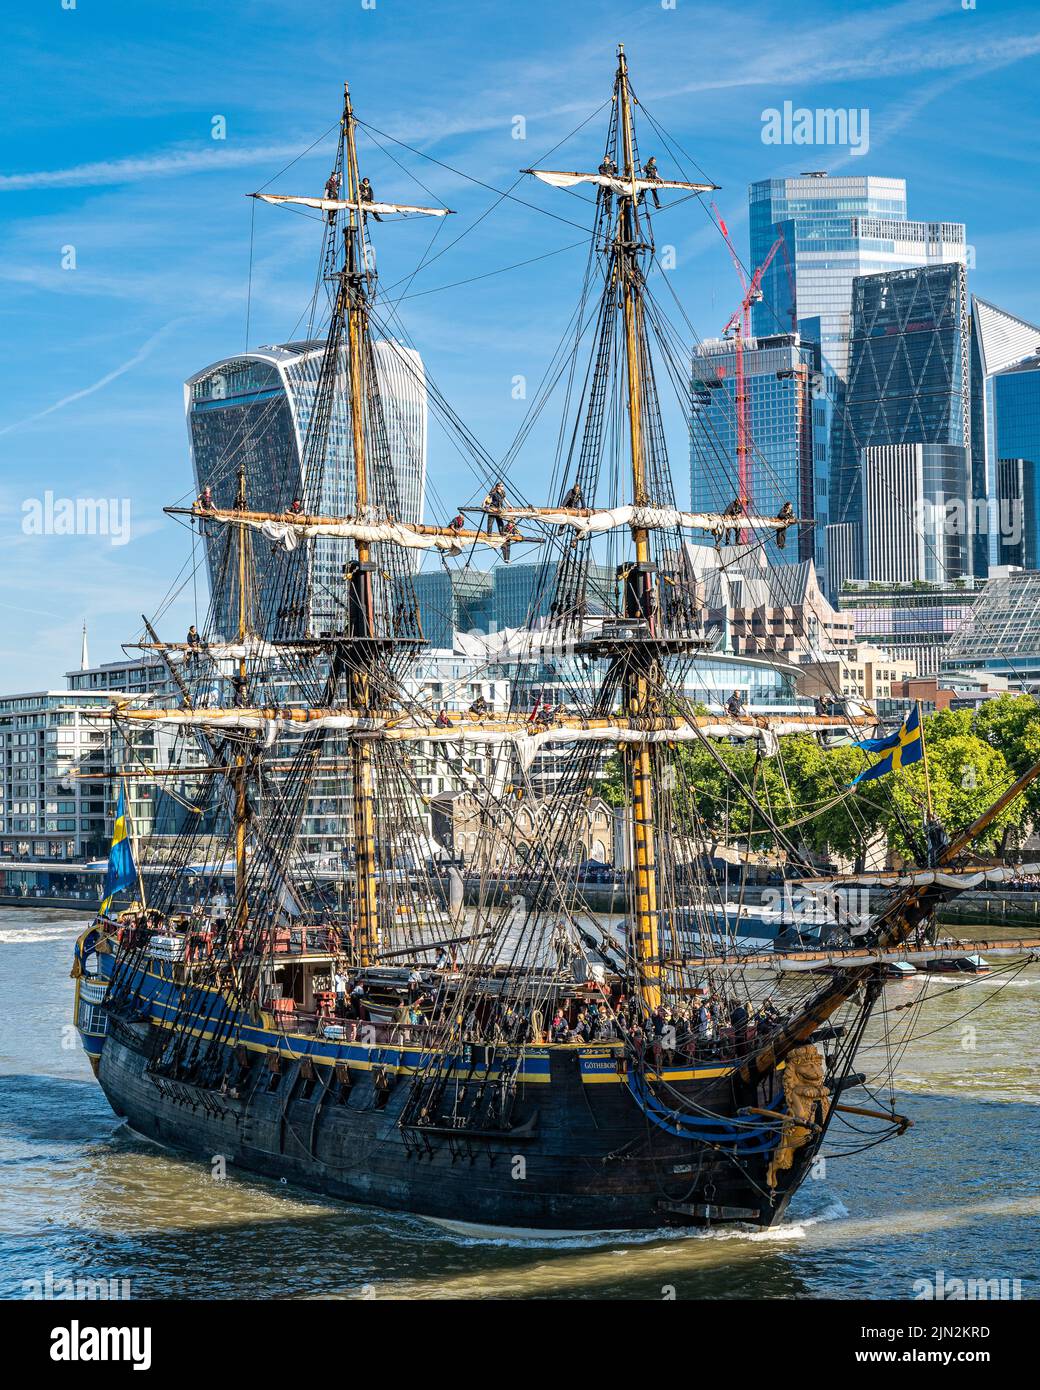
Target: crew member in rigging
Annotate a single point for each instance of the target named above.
(574, 497)
(786, 513)
(332, 191)
(366, 195)
(650, 172)
(609, 169)
(735, 509)
(494, 504)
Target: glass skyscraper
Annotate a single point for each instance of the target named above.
(778, 374)
(909, 383)
(833, 230)
(453, 601)
(256, 410)
(1005, 369)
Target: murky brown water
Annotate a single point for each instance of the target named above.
(81, 1199)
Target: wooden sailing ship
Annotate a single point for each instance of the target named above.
(490, 1058)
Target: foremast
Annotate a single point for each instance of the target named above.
(352, 298)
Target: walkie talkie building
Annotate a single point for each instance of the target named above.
(254, 411)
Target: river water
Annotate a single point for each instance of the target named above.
(83, 1200)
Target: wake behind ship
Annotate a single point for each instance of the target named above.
(417, 1041)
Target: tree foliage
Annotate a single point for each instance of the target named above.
(973, 756)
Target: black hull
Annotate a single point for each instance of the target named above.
(577, 1162)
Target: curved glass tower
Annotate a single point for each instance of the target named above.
(254, 410)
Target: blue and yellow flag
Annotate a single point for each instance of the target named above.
(904, 747)
(122, 872)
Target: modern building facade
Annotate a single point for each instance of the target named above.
(914, 621)
(54, 764)
(915, 504)
(761, 609)
(256, 411)
(1003, 636)
(454, 600)
(1005, 371)
(833, 230)
(778, 377)
(909, 382)
(523, 593)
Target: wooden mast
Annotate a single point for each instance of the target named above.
(241, 800)
(352, 287)
(638, 687)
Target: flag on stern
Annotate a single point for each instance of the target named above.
(122, 871)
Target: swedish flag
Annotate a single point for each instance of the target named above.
(122, 871)
(904, 747)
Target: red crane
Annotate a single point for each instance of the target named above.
(739, 326)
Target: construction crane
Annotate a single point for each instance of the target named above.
(739, 327)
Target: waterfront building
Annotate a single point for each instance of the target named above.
(908, 383)
(255, 411)
(862, 672)
(778, 377)
(55, 759)
(912, 621)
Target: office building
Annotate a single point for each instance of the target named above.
(454, 600)
(912, 621)
(909, 382)
(256, 411)
(833, 230)
(778, 375)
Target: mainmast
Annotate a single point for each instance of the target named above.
(623, 191)
(640, 583)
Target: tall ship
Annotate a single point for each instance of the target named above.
(471, 1044)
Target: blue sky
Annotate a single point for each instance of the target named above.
(108, 112)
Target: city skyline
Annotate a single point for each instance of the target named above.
(128, 238)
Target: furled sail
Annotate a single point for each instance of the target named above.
(587, 522)
(562, 178)
(338, 204)
(289, 533)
